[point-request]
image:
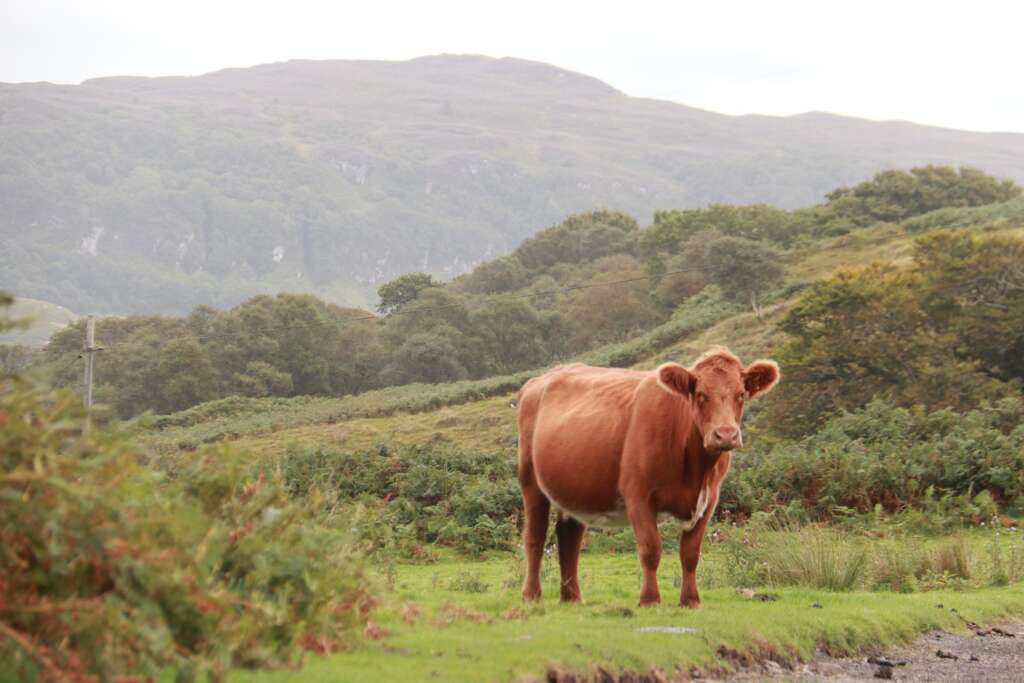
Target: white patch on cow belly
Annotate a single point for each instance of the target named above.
(615, 518)
(698, 511)
(612, 518)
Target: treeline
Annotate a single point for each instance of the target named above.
(594, 279)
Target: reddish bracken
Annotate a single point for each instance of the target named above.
(611, 447)
(374, 631)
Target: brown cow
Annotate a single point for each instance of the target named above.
(612, 447)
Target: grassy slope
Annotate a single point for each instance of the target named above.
(47, 318)
(488, 636)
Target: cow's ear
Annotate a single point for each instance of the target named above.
(760, 376)
(676, 379)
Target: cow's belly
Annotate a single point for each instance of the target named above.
(617, 517)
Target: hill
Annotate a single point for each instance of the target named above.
(125, 195)
(45, 318)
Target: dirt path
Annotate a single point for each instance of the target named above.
(995, 656)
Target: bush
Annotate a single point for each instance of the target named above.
(109, 568)
(425, 494)
(955, 467)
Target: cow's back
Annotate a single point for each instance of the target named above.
(573, 422)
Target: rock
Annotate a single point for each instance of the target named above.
(680, 630)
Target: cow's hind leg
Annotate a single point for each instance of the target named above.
(536, 509)
(570, 539)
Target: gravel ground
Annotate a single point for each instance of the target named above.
(993, 657)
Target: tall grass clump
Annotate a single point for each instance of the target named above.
(815, 557)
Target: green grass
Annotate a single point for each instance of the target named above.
(463, 621)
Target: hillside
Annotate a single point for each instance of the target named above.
(125, 195)
(480, 413)
(45, 320)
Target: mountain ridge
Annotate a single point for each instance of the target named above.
(133, 194)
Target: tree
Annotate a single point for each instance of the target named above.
(864, 334)
(184, 376)
(500, 275)
(580, 237)
(400, 291)
(512, 333)
(745, 270)
(430, 357)
(896, 195)
(974, 287)
(603, 313)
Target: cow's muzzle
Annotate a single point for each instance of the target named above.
(724, 439)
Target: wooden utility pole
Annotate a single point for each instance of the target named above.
(89, 350)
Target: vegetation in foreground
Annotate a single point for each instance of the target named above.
(110, 568)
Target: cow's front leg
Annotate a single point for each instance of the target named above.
(689, 556)
(648, 545)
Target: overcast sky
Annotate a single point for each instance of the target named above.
(949, 64)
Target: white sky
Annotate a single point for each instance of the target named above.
(951, 64)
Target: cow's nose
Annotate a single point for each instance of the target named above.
(726, 436)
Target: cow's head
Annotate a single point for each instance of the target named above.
(718, 385)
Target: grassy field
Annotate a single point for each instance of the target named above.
(462, 620)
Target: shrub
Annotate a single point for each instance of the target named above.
(425, 494)
(955, 467)
(110, 568)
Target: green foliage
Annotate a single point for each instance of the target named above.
(951, 466)
(425, 494)
(987, 217)
(892, 196)
(758, 222)
(745, 270)
(15, 357)
(947, 333)
(111, 568)
(400, 291)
